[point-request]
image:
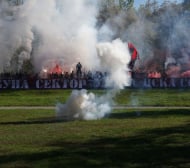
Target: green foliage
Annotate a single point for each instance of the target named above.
(27, 67)
(19, 62)
(111, 8)
(186, 4)
(123, 4)
(16, 2)
(126, 4)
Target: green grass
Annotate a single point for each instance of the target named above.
(154, 97)
(131, 97)
(33, 97)
(130, 138)
(35, 138)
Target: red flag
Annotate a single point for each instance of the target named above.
(133, 51)
(134, 55)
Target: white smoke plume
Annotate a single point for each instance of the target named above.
(64, 31)
(177, 41)
(15, 36)
(114, 58)
(72, 36)
(49, 32)
(110, 57)
(134, 27)
(82, 105)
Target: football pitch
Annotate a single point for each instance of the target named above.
(132, 137)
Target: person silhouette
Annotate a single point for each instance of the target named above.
(79, 69)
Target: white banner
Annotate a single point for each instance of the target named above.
(90, 84)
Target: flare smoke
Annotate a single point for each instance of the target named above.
(82, 105)
(48, 32)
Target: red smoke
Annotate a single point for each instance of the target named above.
(186, 74)
(56, 70)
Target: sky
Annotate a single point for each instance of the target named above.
(137, 3)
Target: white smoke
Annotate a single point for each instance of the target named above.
(15, 35)
(64, 32)
(84, 106)
(49, 30)
(72, 36)
(114, 58)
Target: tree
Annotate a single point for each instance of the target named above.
(16, 2)
(109, 9)
(27, 66)
(186, 4)
(122, 4)
(126, 4)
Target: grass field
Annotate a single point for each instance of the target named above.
(127, 138)
(130, 97)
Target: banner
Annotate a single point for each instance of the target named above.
(90, 83)
(161, 83)
(50, 84)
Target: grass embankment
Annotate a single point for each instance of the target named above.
(130, 97)
(127, 138)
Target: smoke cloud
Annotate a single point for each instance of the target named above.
(82, 105)
(49, 32)
(65, 32)
(15, 37)
(160, 32)
(114, 58)
(25, 33)
(178, 45)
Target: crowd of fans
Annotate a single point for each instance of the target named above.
(64, 75)
(83, 75)
(89, 75)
